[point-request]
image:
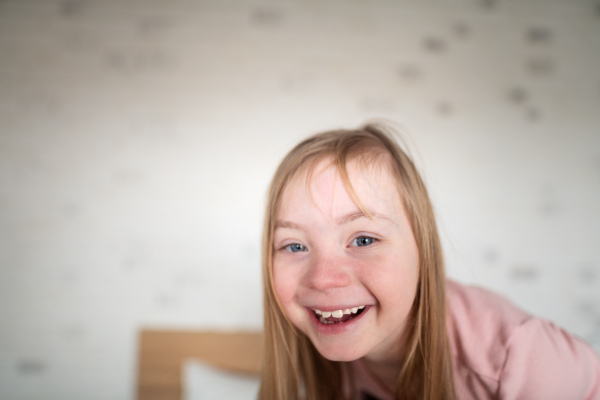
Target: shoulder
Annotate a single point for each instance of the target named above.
(480, 327)
(501, 351)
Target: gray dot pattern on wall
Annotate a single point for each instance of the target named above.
(444, 108)
(461, 29)
(518, 95)
(549, 205)
(74, 332)
(70, 8)
(588, 274)
(70, 210)
(524, 273)
(540, 66)
(491, 256)
(166, 300)
(533, 114)
(434, 44)
(410, 72)
(539, 35)
(154, 25)
(587, 308)
(521, 97)
(381, 105)
(31, 367)
(489, 4)
(129, 62)
(268, 16)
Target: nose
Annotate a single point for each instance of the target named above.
(328, 271)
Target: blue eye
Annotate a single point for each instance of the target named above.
(296, 247)
(362, 241)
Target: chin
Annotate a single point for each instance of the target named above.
(334, 353)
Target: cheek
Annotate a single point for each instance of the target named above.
(393, 277)
(285, 284)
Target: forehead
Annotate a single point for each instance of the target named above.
(322, 185)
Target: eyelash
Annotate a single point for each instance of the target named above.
(372, 240)
(295, 245)
(355, 243)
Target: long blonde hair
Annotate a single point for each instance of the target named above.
(292, 367)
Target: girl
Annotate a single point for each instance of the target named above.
(356, 301)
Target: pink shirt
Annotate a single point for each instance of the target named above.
(501, 352)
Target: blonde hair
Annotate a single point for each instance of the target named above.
(292, 367)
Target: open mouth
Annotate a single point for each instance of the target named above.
(338, 316)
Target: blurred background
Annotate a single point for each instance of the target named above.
(137, 140)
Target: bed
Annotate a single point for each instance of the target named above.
(175, 365)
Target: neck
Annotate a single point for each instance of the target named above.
(386, 371)
(386, 365)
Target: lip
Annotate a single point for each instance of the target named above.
(335, 329)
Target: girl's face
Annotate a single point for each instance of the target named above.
(329, 259)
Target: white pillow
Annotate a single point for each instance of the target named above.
(203, 382)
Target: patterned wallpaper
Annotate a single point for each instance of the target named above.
(137, 140)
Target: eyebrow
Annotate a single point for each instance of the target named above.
(346, 219)
(287, 224)
(343, 220)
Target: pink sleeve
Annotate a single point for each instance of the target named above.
(545, 362)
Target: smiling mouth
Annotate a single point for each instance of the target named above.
(338, 316)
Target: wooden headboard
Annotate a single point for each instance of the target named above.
(161, 354)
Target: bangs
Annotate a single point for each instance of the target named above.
(365, 150)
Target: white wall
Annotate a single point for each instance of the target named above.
(137, 139)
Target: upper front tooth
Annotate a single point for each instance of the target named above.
(361, 307)
(347, 311)
(326, 314)
(337, 313)
(318, 312)
(354, 310)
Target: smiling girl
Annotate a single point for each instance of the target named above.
(357, 305)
